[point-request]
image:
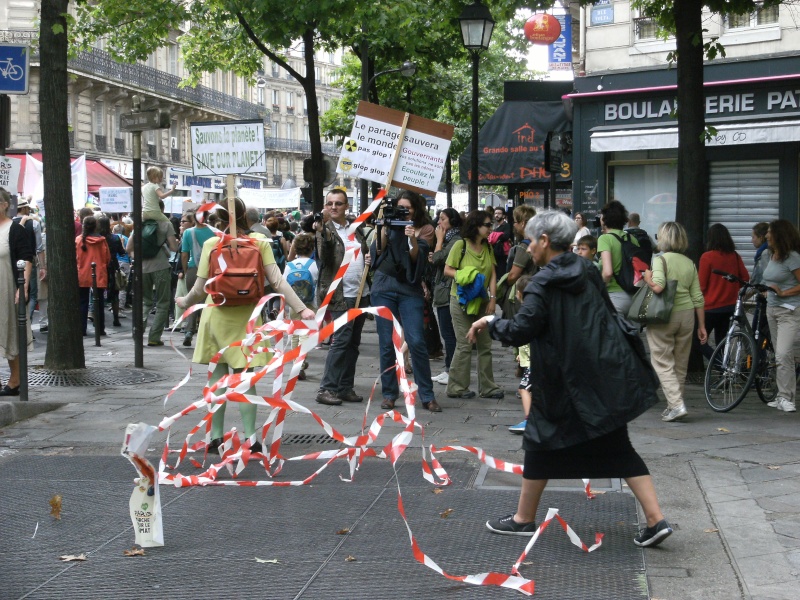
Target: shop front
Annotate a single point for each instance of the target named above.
(626, 144)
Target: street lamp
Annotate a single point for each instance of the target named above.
(477, 26)
(408, 69)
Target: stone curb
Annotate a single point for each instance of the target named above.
(12, 411)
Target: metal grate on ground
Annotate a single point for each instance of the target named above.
(309, 530)
(39, 377)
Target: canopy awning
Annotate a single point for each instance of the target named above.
(98, 175)
(729, 134)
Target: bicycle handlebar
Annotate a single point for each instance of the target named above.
(745, 284)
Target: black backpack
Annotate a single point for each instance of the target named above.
(645, 243)
(627, 270)
(277, 252)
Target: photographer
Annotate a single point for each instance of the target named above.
(405, 239)
(332, 243)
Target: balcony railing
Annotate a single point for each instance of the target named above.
(99, 62)
(303, 146)
(277, 180)
(100, 143)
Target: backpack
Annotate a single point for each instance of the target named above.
(634, 260)
(236, 277)
(277, 252)
(644, 243)
(150, 244)
(302, 282)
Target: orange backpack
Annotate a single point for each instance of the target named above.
(236, 276)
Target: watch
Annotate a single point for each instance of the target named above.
(492, 296)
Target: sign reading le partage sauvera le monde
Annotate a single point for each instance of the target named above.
(370, 150)
(228, 148)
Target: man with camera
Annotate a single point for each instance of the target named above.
(331, 232)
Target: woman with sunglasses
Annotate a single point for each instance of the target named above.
(471, 259)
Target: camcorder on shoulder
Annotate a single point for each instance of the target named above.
(393, 215)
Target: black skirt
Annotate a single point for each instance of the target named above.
(610, 455)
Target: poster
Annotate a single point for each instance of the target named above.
(9, 173)
(228, 148)
(116, 200)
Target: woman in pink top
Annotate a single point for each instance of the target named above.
(720, 295)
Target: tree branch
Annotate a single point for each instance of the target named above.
(266, 51)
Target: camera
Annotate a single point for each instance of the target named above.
(597, 222)
(394, 216)
(317, 217)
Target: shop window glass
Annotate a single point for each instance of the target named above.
(649, 189)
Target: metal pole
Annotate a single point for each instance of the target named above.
(138, 325)
(448, 180)
(363, 187)
(22, 331)
(473, 179)
(98, 305)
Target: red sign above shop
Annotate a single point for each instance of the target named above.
(542, 29)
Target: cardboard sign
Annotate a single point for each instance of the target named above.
(9, 173)
(228, 148)
(196, 193)
(370, 150)
(145, 502)
(116, 200)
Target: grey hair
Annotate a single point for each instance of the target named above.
(560, 229)
(251, 214)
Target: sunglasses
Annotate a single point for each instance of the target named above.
(334, 204)
(489, 224)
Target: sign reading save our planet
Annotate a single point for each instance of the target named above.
(228, 148)
(369, 151)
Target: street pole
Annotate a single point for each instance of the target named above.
(363, 186)
(448, 180)
(22, 330)
(473, 179)
(138, 326)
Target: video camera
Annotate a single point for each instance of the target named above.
(393, 215)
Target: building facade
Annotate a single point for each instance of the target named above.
(625, 125)
(101, 89)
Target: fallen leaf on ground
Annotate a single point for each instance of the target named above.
(712, 530)
(71, 557)
(773, 467)
(451, 441)
(344, 531)
(350, 558)
(437, 490)
(134, 552)
(272, 561)
(527, 562)
(55, 506)
(446, 513)
(723, 430)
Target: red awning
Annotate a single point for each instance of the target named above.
(97, 174)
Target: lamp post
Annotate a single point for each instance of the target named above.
(408, 69)
(477, 26)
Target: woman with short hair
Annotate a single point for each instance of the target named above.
(614, 217)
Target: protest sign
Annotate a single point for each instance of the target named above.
(228, 148)
(116, 200)
(196, 193)
(369, 152)
(9, 173)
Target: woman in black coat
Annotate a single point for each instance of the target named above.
(590, 378)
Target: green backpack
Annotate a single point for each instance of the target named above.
(150, 239)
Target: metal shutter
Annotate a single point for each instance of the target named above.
(741, 194)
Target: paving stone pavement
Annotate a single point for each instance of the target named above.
(728, 482)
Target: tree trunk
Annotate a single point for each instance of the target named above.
(692, 166)
(65, 338)
(309, 86)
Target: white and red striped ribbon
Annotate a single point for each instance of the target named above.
(272, 338)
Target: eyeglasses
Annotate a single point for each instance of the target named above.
(334, 204)
(185, 221)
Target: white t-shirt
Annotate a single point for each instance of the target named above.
(352, 277)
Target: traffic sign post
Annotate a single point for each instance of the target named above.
(136, 122)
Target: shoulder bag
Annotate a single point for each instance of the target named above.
(651, 308)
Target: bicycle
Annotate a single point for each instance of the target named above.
(744, 357)
(12, 71)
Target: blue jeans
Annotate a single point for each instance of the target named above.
(340, 365)
(408, 310)
(448, 333)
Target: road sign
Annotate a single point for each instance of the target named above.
(144, 120)
(14, 68)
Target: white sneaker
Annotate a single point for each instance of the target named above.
(443, 378)
(675, 414)
(775, 403)
(786, 405)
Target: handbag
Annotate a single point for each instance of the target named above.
(651, 308)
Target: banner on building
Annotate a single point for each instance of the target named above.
(560, 51)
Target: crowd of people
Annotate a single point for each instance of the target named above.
(561, 288)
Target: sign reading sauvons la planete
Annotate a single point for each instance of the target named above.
(228, 147)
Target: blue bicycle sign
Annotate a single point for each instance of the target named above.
(14, 63)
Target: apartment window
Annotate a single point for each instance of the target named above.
(276, 166)
(151, 137)
(172, 68)
(290, 168)
(759, 18)
(645, 28)
(276, 98)
(233, 84)
(290, 131)
(173, 135)
(151, 61)
(260, 94)
(290, 99)
(318, 74)
(99, 117)
(275, 70)
(117, 124)
(224, 78)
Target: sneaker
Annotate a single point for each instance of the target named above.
(443, 378)
(675, 413)
(786, 405)
(653, 536)
(519, 427)
(508, 526)
(775, 403)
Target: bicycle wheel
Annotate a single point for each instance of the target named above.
(730, 372)
(766, 372)
(15, 72)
